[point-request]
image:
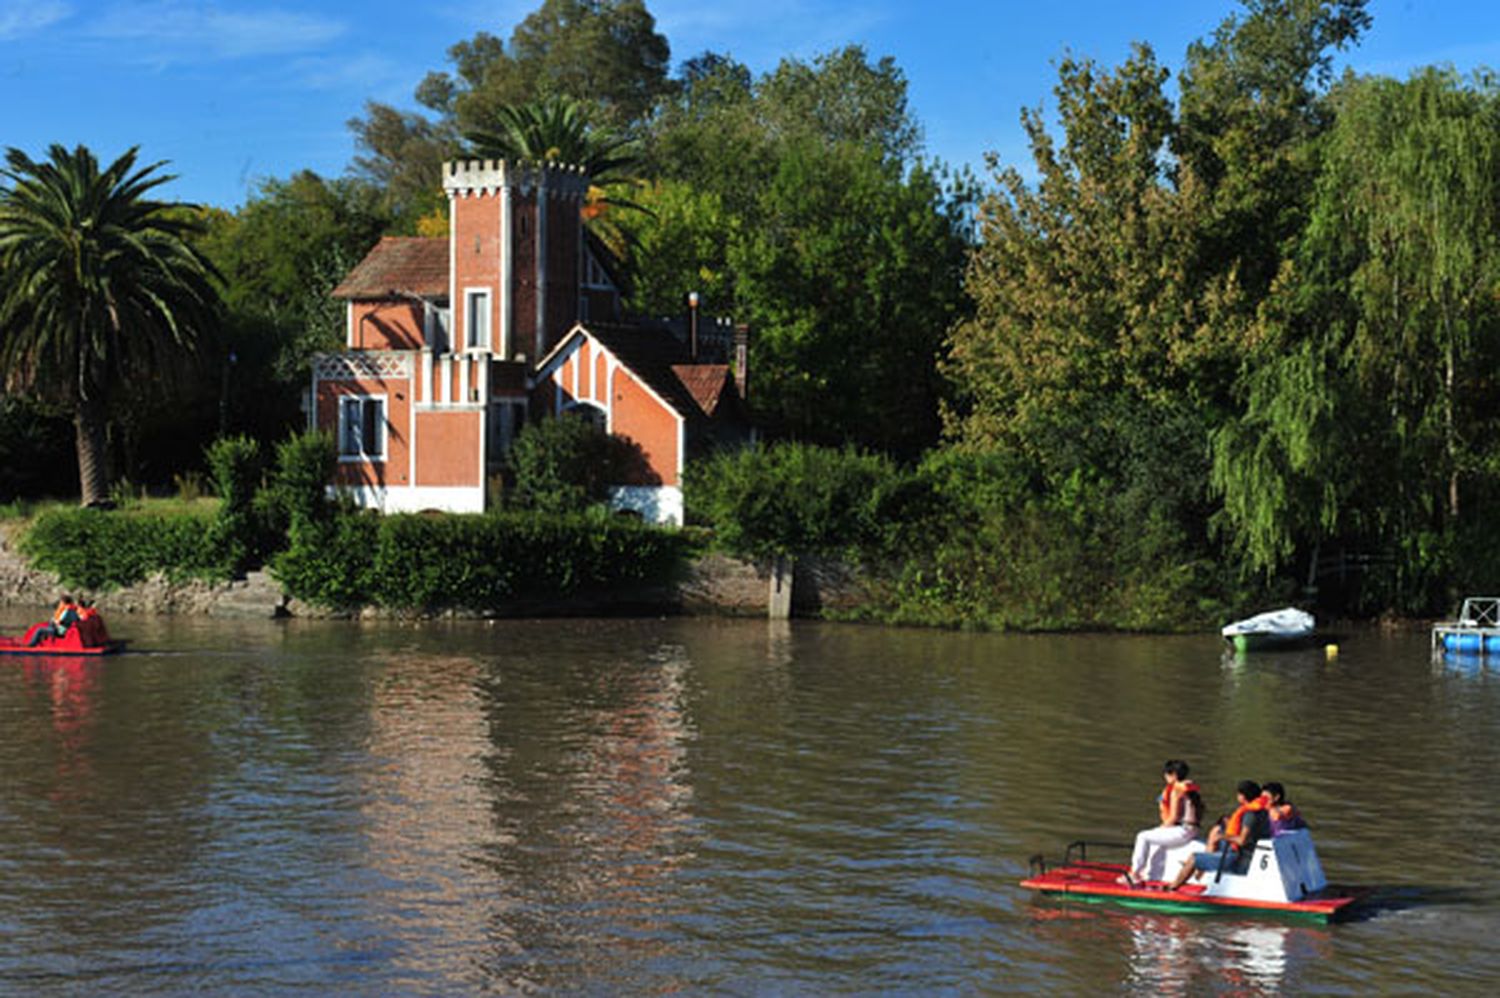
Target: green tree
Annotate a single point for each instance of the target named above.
(795, 203)
(1367, 403)
(605, 54)
(99, 284)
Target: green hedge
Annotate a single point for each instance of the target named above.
(474, 562)
(94, 549)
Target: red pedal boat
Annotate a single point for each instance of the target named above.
(87, 637)
(1283, 877)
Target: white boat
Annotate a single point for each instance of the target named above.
(1275, 629)
(1281, 876)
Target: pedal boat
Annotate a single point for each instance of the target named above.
(1285, 628)
(1283, 877)
(73, 642)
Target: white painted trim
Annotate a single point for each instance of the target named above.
(455, 306)
(559, 354)
(507, 290)
(426, 378)
(681, 447)
(611, 366)
(385, 428)
(489, 318)
(660, 504)
(349, 324)
(415, 498)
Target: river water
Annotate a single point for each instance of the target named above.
(713, 806)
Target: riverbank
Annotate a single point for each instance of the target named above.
(712, 585)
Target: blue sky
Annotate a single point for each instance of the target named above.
(233, 91)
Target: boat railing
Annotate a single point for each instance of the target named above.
(1480, 611)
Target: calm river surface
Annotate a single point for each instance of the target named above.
(713, 806)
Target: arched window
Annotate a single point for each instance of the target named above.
(595, 415)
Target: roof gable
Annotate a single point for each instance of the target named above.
(657, 359)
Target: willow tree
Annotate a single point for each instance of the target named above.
(99, 284)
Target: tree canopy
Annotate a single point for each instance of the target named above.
(100, 285)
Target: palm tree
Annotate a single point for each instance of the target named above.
(97, 284)
(556, 130)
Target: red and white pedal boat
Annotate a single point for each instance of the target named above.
(1283, 877)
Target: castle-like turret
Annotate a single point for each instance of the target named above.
(516, 238)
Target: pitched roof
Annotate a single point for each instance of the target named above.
(662, 361)
(399, 264)
(704, 382)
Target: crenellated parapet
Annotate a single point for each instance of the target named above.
(475, 177)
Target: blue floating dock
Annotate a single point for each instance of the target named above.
(1475, 632)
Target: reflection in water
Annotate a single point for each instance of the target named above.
(710, 806)
(71, 684)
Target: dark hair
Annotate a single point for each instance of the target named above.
(1276, 790)
(1249, 788)
(67, 597)
(1176, 767)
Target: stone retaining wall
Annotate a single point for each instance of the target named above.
(713, 584)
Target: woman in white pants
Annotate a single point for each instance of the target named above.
(1180, 807)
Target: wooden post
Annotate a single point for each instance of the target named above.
(779, 605)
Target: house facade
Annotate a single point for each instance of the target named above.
(453, 344)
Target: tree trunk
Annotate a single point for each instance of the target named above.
(1450, 433)
(88, 428)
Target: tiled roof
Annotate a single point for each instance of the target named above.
(705, 382)
(400, 264)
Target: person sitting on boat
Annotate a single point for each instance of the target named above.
(1232, 838)
(1283, 813)
(1180, 808)
(64, 617)
(90, 625)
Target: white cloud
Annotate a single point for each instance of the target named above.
(25, 17)
(190, 30)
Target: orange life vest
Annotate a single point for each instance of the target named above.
(1236, 820)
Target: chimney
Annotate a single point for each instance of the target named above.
(692, 300)
(742, 360)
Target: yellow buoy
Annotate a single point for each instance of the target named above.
(1332, 651)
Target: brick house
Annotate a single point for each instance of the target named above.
(453, 343)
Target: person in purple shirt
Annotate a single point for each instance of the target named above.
(1283, 813)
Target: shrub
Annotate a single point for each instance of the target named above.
(305, 464)
(235, 464)
(96, 549)
(566, 464)
(330, 561)
(794, 499)
(475, 562)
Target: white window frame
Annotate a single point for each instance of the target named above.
(437, 326)
(383, 424)
(471, 341)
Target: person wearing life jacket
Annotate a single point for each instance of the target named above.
(1233, 838)
(1283, 813)
(1180, 808)
(91, 627)
(64, 617)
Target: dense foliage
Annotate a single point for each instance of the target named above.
(1228, 338)
(424, 564)
(102, 291)
(94, 549)
(792, 499)
(566, 465)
